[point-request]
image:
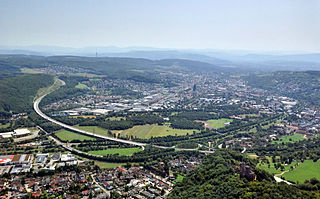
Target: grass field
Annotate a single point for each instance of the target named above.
(220, 123)
(3, 126)
(120, 151)
(179, 178)
(305, 171)
(147, 131)
(107, 165)
(81, 86)
(65, 135)
(94, 79)
(272, 169)
(290, 138)
(94, 129)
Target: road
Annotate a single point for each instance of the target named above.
(66, 126)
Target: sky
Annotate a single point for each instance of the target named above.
(287, 25)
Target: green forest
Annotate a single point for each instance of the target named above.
(17, 92)
(229, 174)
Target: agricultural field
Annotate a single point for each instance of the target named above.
(290, 138)
(120, 151)
(147, 131)
(304, 171)
(271, 169)
(68, 136)
(81, 86)
(220, 123)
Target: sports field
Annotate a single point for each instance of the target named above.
(305, 171)
(65, 135)
(147, 131)
(220, 123)
(290, 138)
(120, 151)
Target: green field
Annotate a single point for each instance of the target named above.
(147, 131)
(95, 79)
(179, 178)
(305, 171)
(94, 129)
(120, 151)
(81, 86)
(272, 169)
(107, 165)
(65, 135)
(290, 138)
(220, 123)
(4, 126)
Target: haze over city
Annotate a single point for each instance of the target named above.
(267, 25)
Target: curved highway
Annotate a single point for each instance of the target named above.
(66, 126)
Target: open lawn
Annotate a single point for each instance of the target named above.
(147, 131)
(120, 151)
(290, 138)
(65, 135)
(220, 123)
(272, 169)
(305, 171)
(81, 86)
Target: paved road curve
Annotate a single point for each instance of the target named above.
(66, 126)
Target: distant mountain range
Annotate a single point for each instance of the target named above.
(247, 60)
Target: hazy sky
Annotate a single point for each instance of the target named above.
(223, 24)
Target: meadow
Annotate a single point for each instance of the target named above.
(81, 86)
(220, 123)
(147, 131)
(290, 138)
(272, 169)
(94, 129)
(68, 136)
(304, 171)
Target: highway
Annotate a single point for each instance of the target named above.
(66, 126)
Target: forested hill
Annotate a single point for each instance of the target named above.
(17, 92)
(108, 65)
(303, 86)
(229, 174)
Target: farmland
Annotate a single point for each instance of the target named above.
(120, 151)
(147, 131)
(65, 135)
